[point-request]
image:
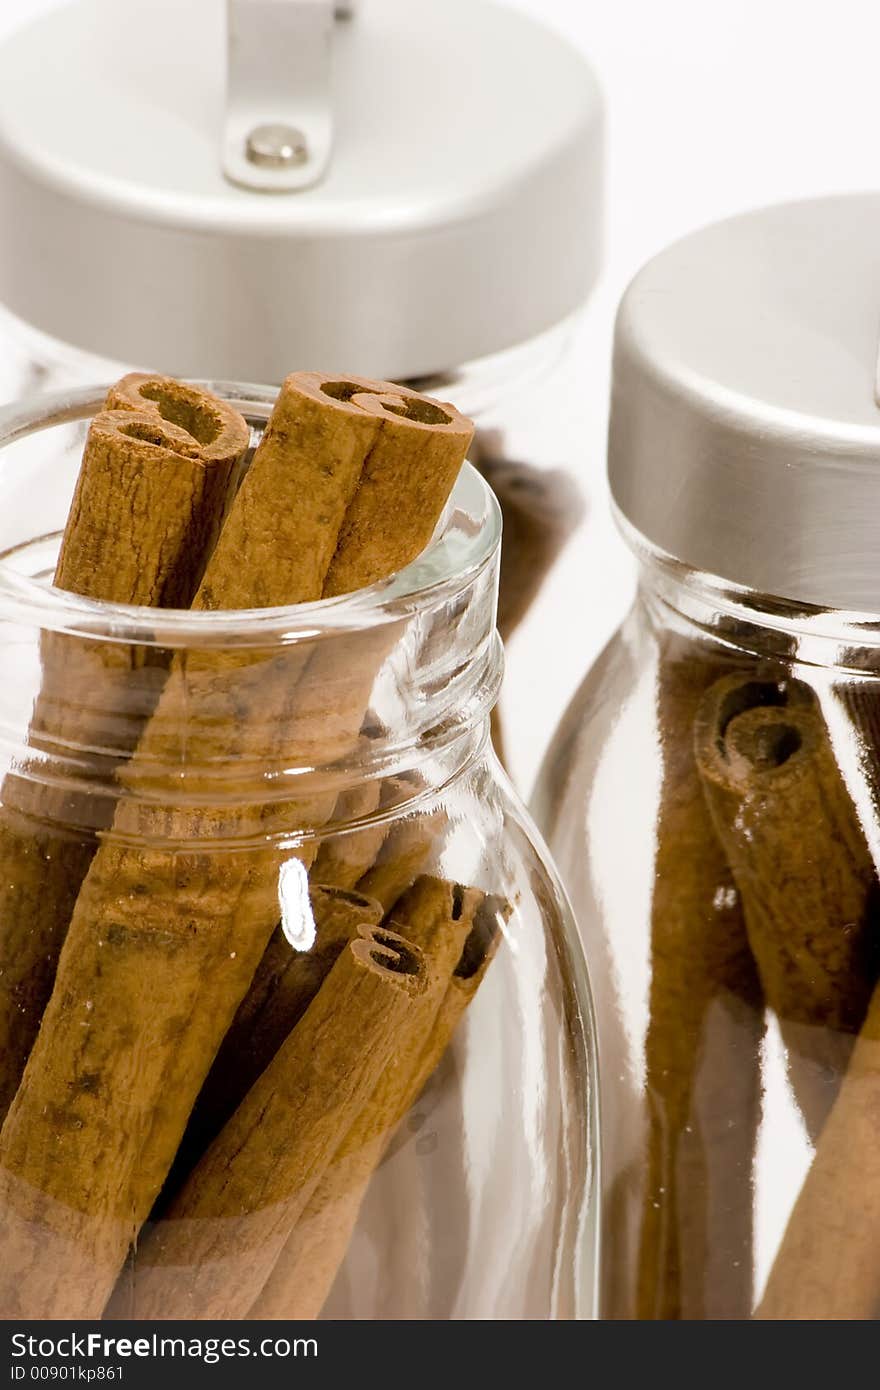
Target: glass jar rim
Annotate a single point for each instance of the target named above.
(450, 565)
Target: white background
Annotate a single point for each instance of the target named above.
(712, 107)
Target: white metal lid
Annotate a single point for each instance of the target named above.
(745, 428)
(459, 214)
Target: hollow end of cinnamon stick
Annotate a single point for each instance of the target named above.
(418, 452)
(148, 506)
(748, 726)
(216, 428)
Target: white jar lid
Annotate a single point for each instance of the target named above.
(459, 214)
(745, 423)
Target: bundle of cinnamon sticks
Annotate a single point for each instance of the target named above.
(195, 1095)
(765, 904)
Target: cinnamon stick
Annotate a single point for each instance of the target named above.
(803, 870)
(403, 854)
(164, 942)
(299, 957)
(480, 950)
(286, 981)
(147, 509)
(403, 1268)
(701, 1049)
(828, 1265)
(419, 438)
(457, 930)
(179, 509)
(213, 1252)
(354, 861)
(344, 858)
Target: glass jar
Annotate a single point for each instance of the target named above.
(702, 881)
(304, 1015)
(712, 796)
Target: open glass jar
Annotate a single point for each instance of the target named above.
(713, 794)
(242, 851)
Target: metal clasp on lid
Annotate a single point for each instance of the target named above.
(279, 122)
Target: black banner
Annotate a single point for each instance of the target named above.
(266, 1355)
(254, 1355)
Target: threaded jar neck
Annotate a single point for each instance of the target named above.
(104, 704)
(759, 625)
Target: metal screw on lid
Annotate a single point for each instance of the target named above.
(278, 135)
(397, 194)
(276, 146)
(745, 429)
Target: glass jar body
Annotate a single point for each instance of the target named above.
(711, 799)
(293, 1005)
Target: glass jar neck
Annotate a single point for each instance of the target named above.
(257, 739)
(241, 726)
(759, 625)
